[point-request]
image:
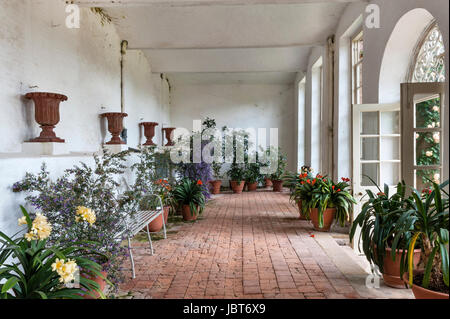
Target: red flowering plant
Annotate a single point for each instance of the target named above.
(191, 192)
(163, 189)
(322, 193)
(299, 192)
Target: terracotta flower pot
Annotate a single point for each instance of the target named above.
(168, 133)
(391, 269)
(422, 293)
(115, 126)
(302, 216)
(251, 187)
(187, 214)
(99, 280)
(237, 187)
(157, 224)
(268, 182)
(277, 185)
(46, 114)
(149, 132)
(215, 187)
(328, 216)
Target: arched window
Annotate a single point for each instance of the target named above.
(429, 64)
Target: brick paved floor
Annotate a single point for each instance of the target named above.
(250, 245)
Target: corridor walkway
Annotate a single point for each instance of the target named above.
(250, 245)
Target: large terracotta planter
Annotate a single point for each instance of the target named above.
(268, 182)
(149, 132)
(157, 224)
(251, 187)
(391, 269)
(115, 126)
(187, 214)
(302, 216)
(215, 187)
(168, 133)
(46, 114)
(422, 293)
(328, 216)
(277, 185)
(237, 187)
(99, 280)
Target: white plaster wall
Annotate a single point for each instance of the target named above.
(38, 53)
(240, 106)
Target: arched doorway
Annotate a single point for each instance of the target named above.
(422, 99)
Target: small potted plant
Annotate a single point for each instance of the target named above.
(217, 182)
(252, 176)
(277, 176)
(426, 219)
(190, 194)
(377, 220)
(162, 188)
(237, 176)
(325, 200)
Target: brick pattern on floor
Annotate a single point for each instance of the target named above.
(249, 245)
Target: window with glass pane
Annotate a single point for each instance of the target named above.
(380, 147)
(357, 58)
(427, 133)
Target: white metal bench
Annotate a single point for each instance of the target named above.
(139, 221)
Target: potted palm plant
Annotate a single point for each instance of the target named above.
(377, 220)
(426, 219)
(190, 194)
(325, 200)
(237, 176)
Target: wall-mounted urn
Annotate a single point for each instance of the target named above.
(115, 126)
(168, 132)
(46, 113)
(149, 132)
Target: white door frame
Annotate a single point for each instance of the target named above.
(358, 190)
(357, 109)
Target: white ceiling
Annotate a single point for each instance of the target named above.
(231, 78)
(216, 36)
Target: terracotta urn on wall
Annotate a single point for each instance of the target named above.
(115, 126)
(46, 113)
(168, 132)
(149, 132)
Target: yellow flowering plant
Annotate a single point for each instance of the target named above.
(30, 268)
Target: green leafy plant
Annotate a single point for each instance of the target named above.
(425, 218)
(295, 183)
(217, 167)
(281, 161)
(236, 172)
(378, 219)
(189, 192)
(322, 193)
(40, 271)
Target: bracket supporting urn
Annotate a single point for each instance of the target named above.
(46, 114)
(115, 126)
(168, 133)
(149, 132)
